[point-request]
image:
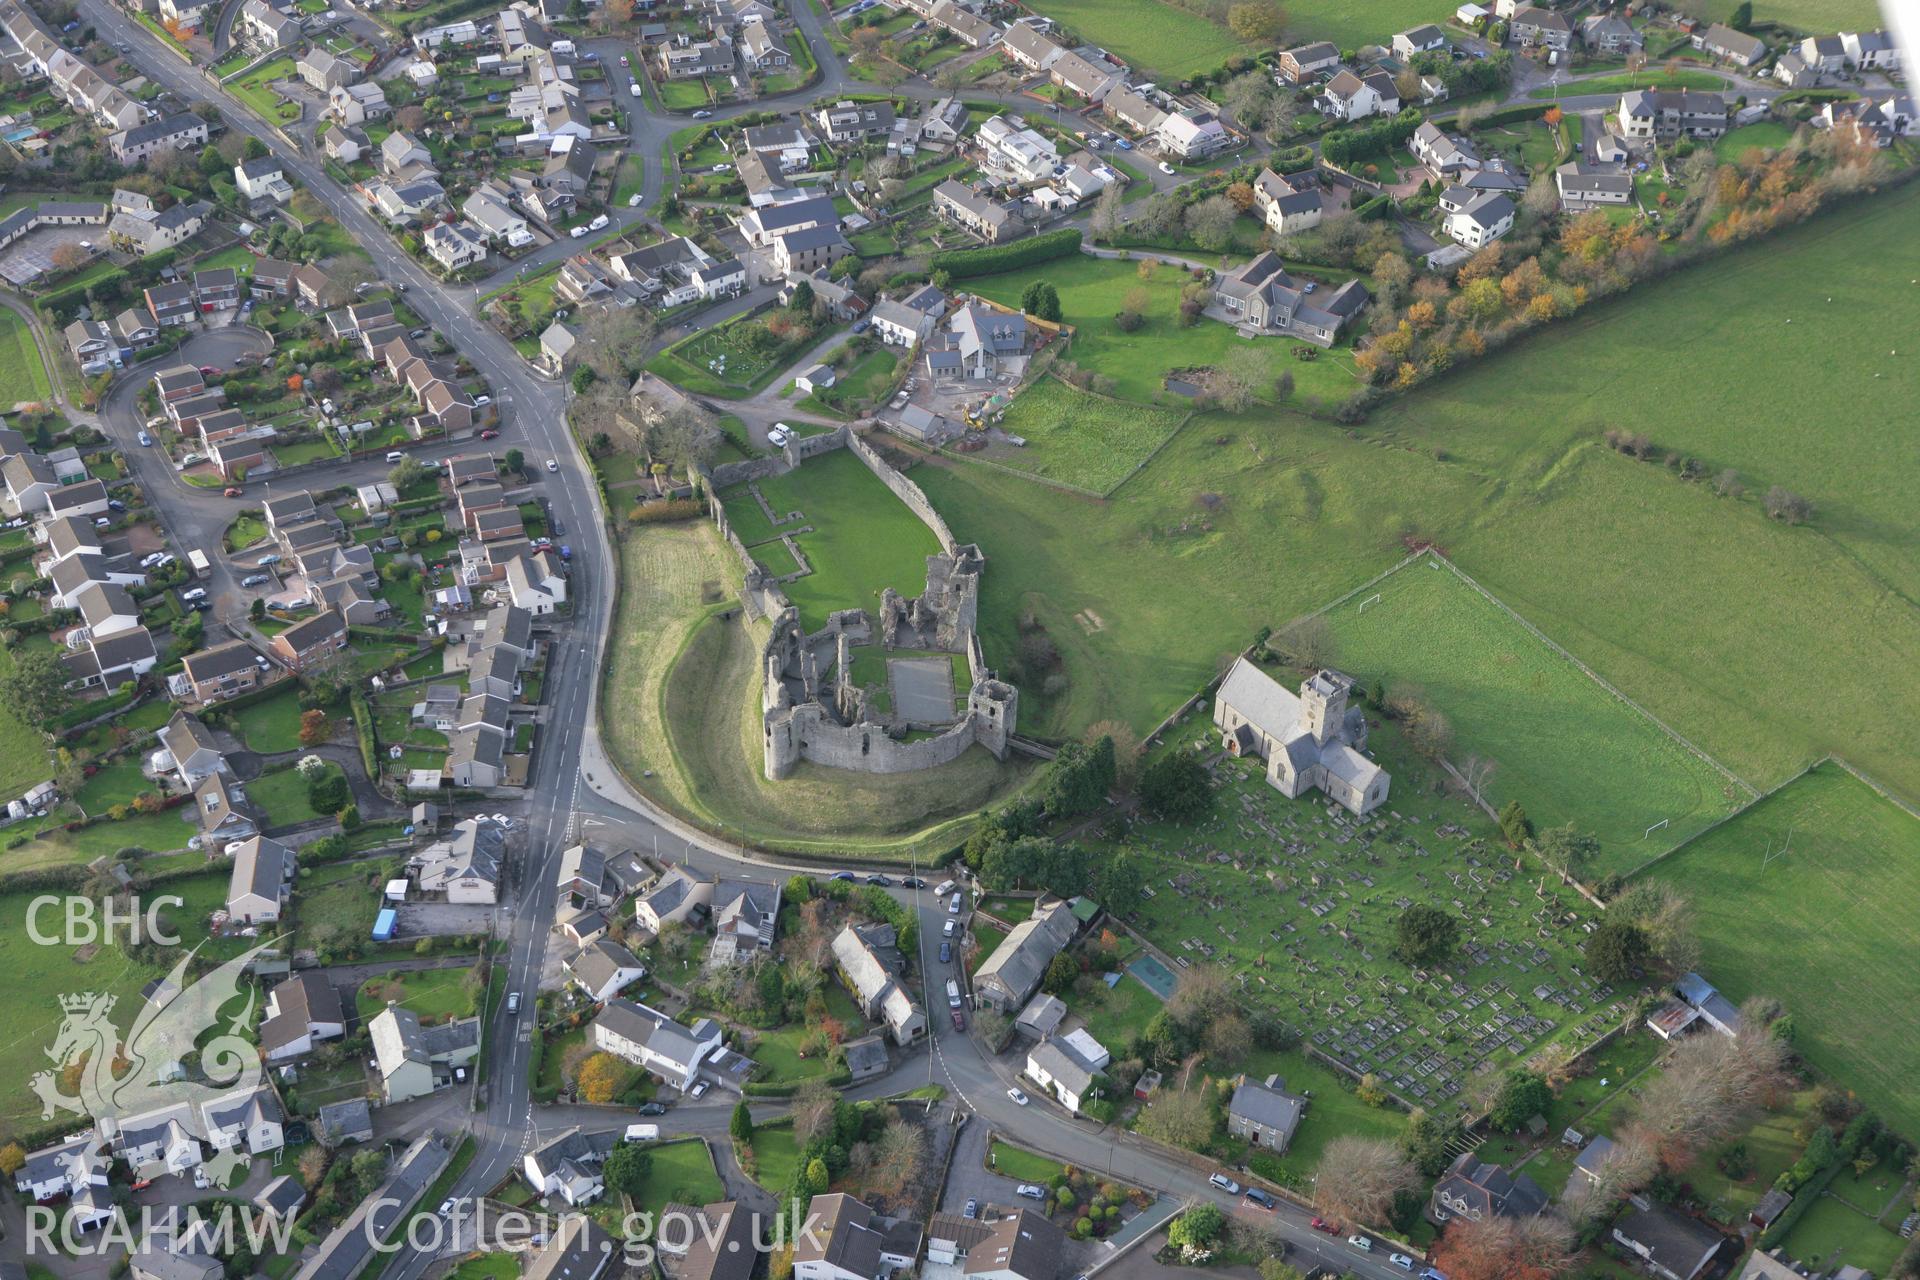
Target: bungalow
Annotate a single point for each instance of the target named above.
(1031, 48)
(300, 1012)
(1425, 38)
(257, 887)
(605, 969)
(691, 59)
(1728, 45)
(1583, 186)
(1265, 1114)
(1084, 77)
(1261, 297)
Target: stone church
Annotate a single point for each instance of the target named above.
(1310, 740)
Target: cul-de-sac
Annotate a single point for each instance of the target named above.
(959, 640)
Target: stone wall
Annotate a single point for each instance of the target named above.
(904, 489)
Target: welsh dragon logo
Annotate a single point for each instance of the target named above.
(148, 1070)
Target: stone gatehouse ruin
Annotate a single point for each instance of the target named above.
(941, 697)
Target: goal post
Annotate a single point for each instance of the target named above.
(1372, 599)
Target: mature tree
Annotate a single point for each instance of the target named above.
(1564, 849)
(1180, 1118)
(1256, 20)
(899, 1152)
(1628, 1166)
(1210, 222)
(403, 474)
(314, 728)
(1788, 507)
(1742, 17)
(740, 1127)
(1061, 972)
(601, 1077)
(1425, 935)
(68, 256)
(1522, 1096)
(1428, 1141)
(1709, 1085)
(1514, 826)
(1665, 919)
(1505, 1249)
(1079, 778)
(1126, 750)
(1042, 300)
(36, 687)
(1245, 98)
(1306, 642)
(627, 1168)
(1117, 881)
(344, 277)
(1176, 787)
(12, 1156)
(684, 437)
(1106, 212)
(614, 341)
(1617, 951)
(812, 1109)
(1358, 1178)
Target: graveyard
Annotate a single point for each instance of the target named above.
(1298, 900)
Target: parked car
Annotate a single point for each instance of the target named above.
(489, 434)
(946, 952)
(949, 928)
(231, 491)
(1225, 1183)
(193, 593)
(959, 1020)
(394, 455)
(1258, 1197)
(703, 114)
(148, 561)
(953, 905)
(600, 223)
(1017, 1096)
(846, 876)
(1401, 1261)
(1363, 1243)
(254, 580)
(201, 606)
(885, 882)
(1321, 1224)
(778, 435)
(972, 1210)
(653, 1109)
(114, 504)
(577, 232)
(481, 402)
(145, 439)
(1166, 168)
(699, 1089)
(913, 882)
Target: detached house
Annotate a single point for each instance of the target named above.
(1296, 66)
(1010, 976)
(1541, 28)
(1728, 45)
(1477, 1190)
(257, 889)
(1665, 114)
(312, 641)
(651, 1040)
(1289, 204)
(1476, 218)
(1353, 97)
(1261, 298)
(1265, 1114)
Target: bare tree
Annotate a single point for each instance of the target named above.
(898, 1153)
(1665, 917)
(614, 340)
(1629, 1166)
(813, 1104)
(684, 437)
(344, 277)
(1306, 642)
(1359, 1177)
(1106, 213)
(1542, 199)
(1506, 1248)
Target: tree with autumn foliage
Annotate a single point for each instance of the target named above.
(314, 728)
(1505, 1249)
(601, 1077)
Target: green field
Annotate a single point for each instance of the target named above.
(1832, 1234)
(1564, 747)
(1093, 290)
(862, 539)
(1653, 77)
(1809, 17)
(22, 375)
(1696, 606)
(256, 90)
(1299, 906)
(282, 796)
(1854, 866)
(1079, 439)
(1152, 36)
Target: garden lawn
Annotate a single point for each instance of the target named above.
(775, 1153)
(282, 795)
(722, 362)
(435, 994)
(1805, 16)
(23, 749)
(1115, 1016)
(115, 784)
(1564, 747)
(1830, 1234)
(1763, 135)
(23, 377)
(1010, 1161)
(1156, 37)
(682, 1172)
(862, 539)
(256, 90)
(1093, 290)
(1854, 861)
(1335, 1111)
(1073, 437)
(272, 724)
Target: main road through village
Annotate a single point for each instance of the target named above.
(575, 792)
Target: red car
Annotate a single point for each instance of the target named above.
(207, 371)
(488, 434)
(959, 1020)
(1321, 1224)
(231, 491)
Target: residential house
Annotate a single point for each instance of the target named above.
(225, 814)
(992, 220)
(266, 28)
(1605, 33)
(216, 288)
(1084, 77)
(466, 866)
(605, 969)
(1476, 218)
(348, 1249)
(1265, 1114)
(300, 1013)
(1355, 97)
(718, 1243)
(257, 889)
(1065, 1077)
(176, 133)
(283, 1198)
(1192, 135)
(455, 245)
(761, 226)
(1314, 740)
(1008, 977)
(1006, 1244)
(338, 1123)
(567, 1166)
(346, 144)
(413, 1060)
(326, 71)
(1871, 50)
(171, 304)
(1297, 66)
(106, 609)
(1791, 70)
(162, 1141)
(1477, 1190)
(848, 123)
(1665, 114)
(979, 341)
(651, 1040)
(1289, 204)
(1031, 47)
(906, 323)
(222, 672)
(491, 212)
(849, 1241)
(676, 897)
(762, 48)
(808, 249)
(1262, 298)
(1534, 28)
(190, 749)
(1728, 45)
(357, 103)
(686, 59)
(1673, 1246)
(1020, 154)
(1425, 38)
(311, 641)
(1584, 186)
(787, 147)
(970, 28)
(536, 583)
(69, 1168)
(1445, 156)
(30, 480)
(870, 964)
(248, 1120)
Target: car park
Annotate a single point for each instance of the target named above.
(1225, 1183)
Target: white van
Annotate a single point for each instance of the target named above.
(942, 889)
(395, 456)
(643, 1133)
(953, 906)
(778, 434)
(953, 994)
